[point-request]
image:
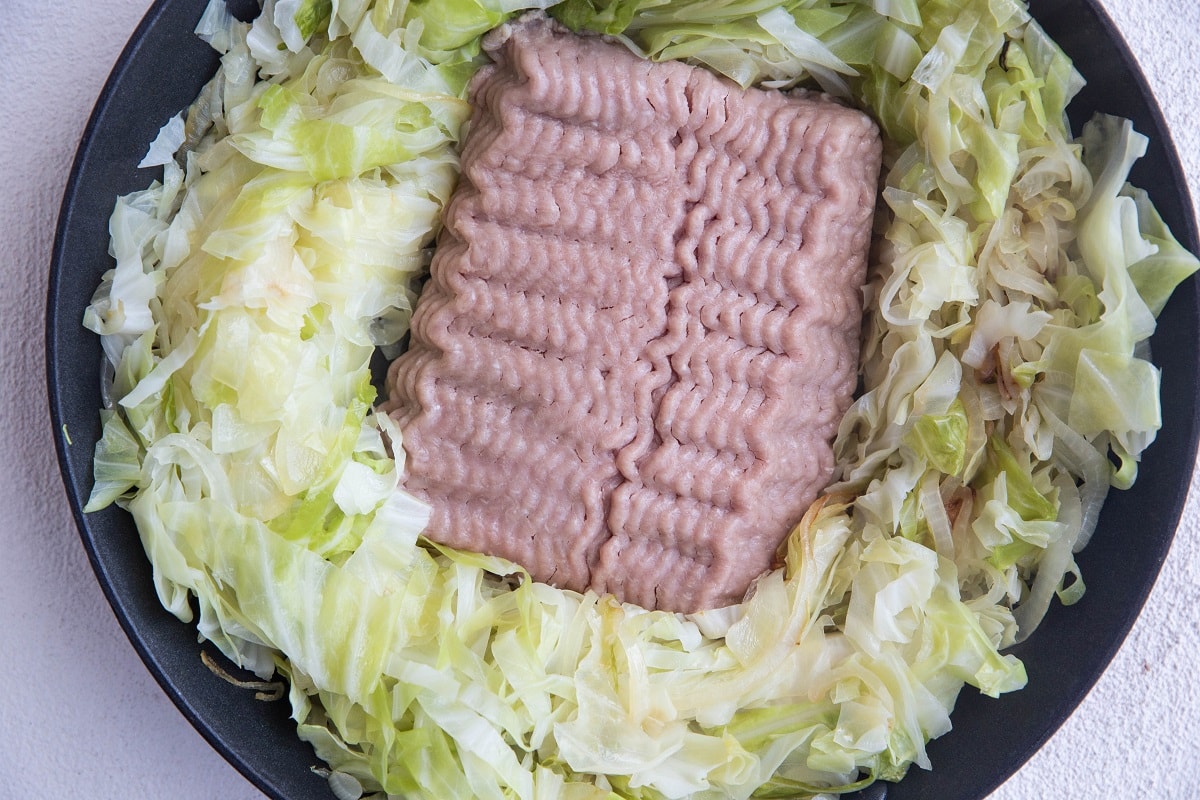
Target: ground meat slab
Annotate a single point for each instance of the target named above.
(641, 326)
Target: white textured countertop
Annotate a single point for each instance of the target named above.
(79, 714)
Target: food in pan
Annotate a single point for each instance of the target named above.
(1012, 286)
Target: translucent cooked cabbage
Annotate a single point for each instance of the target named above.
(1012, 293)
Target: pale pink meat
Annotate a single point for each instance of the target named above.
(641, 327)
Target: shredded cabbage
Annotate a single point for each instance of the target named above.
(1010, 301)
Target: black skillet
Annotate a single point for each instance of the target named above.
(161, 71)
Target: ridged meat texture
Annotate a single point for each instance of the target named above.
(641, 327)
